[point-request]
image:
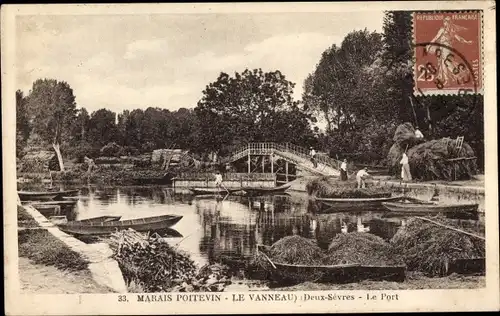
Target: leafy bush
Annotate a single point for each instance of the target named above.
(107, 160)
(112, 150)
(80, 150)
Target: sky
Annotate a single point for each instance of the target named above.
(136, 61)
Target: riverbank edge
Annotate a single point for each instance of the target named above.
(418, 190)
(103, 268)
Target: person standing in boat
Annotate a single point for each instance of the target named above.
(218, 181)
(361, 176)
(405, 168)
(343, 170)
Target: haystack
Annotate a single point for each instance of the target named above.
(327, 187)
(296, 250)
(435, 160)
(432, 161)
(405, 135)
(430, 248)
(394, 157)
(362, 248)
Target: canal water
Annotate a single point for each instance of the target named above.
(216, 229)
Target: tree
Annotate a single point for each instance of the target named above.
(23, 127)
(52, 109)
(245, 108)
(102, 127)
(340, 91)
(81, 126)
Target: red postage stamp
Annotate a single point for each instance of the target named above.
(448, 52)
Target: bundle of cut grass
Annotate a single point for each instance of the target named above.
(296, 250)
(429, 161)
(362, 248)
(327, 187)
(405, 135)
(393, 158)
(429, 248)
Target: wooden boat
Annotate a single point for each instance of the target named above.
(36, 196)
(100, 219)
(65, 203)
(109, 227)
(426, 208)
(222, 191)
(342, 273)
(66, 193)
(266, 190)
(467, 266)
(346, 203)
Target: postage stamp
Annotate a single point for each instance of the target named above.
(448, 52)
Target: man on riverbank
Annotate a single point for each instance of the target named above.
(361, 176)
(405, 168)
(418, 134)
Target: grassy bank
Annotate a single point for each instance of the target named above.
(24, 220)
(112, 175)
(47, 265)
(42, 248)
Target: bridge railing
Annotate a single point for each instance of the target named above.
(266, 148)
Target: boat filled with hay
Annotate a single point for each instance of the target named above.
(328, 187)
(295, 259)
(441, 246)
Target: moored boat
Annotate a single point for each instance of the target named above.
(425, 208)
(342, 273)
(65, 203)
(346, 203)
(66, 193)
(100, 219)
(109, 227)
(36, 196)
(199, 191)
(266, 190)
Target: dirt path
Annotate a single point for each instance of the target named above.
(42, 279)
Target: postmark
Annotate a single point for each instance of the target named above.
(448, 52)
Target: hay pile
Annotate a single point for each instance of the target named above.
(362, 248)
(393, 158)
(404, 138)
(327, 187)
(155, 266)
(405, 135)
(296, 250)
(429, 248)
(428, 161)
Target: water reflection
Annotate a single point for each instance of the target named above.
(229, 227)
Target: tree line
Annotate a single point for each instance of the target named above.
(363, 88)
